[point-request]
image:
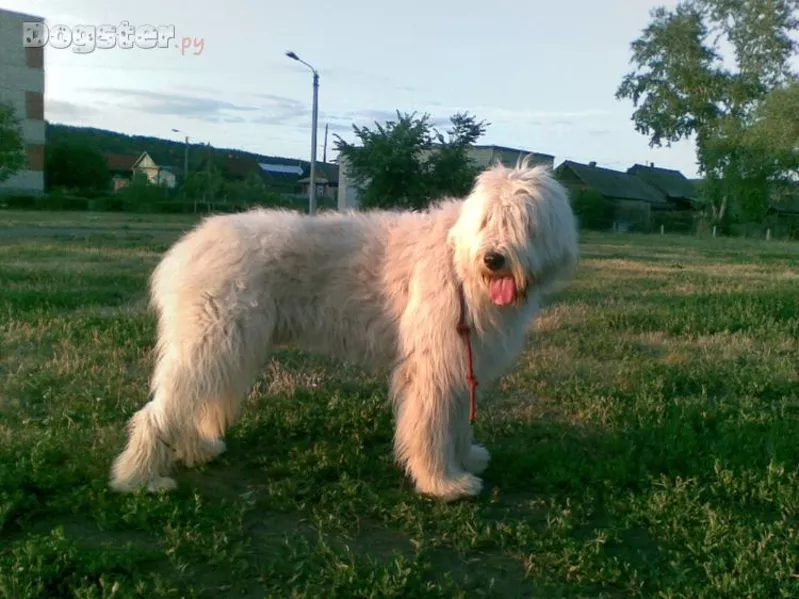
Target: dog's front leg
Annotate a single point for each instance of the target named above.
(429, 431)
(473, 457)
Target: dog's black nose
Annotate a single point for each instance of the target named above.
(494, 261)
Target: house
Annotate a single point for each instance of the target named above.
(632, 199)
(484, 156)
(783, 206)
(286, 176)
(22, 87)
(282, 176)
(120, 167)
(167, 177)
(679, 191)
(326, 180)
(123, 167)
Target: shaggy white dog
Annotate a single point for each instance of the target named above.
(384, 289)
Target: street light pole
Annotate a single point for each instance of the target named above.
(185, 156)
(314, 119)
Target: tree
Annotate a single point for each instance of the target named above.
(680, 86)
(142, 191)
(76, 166)
(205, 184)
(12, 147)
(450, 169)
(250, 190)
(407, 163)
(773, 138)
(592, 209)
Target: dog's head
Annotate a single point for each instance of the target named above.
(516, 235)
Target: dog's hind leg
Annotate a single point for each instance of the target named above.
(203, 372)
(147, 457)
(224, 370)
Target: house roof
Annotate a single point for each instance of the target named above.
(325, 173)
(785, 204)
(671, 183)
(141, 157)
(785, 198)
(121, 162)
(613, 184)
(281, 173)
(282, 169)
(515, 150)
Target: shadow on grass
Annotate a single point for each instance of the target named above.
(569, 507)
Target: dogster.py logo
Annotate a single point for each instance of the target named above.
(85, 39)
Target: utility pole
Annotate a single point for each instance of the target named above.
(186, 158)
(324, 151)
(312, 182)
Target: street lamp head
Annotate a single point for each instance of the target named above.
(291, 54)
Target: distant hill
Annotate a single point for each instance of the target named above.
(165, 152)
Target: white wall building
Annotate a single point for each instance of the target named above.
(481, 156)
(22, 85)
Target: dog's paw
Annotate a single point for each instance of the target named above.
(210, 450)
(477, 460)
(450, 489)
(202, 452)
(162, 483)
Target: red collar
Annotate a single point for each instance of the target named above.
(464, 330)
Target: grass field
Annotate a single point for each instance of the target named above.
(646, 445)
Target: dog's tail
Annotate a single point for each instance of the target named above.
(146, 457)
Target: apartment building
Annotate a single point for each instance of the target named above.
(22, 85)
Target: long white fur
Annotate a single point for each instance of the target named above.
(377, 288)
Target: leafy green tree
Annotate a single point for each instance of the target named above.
(449, 168)
(407, 163)
(76, 166)
(141, 190)
(773, 138)
(204, 185)
(681, 86)
(593, 211)
(250, 190)
(12, 148)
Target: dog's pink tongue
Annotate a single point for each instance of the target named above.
(503, 291)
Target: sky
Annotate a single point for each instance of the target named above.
(542, 74)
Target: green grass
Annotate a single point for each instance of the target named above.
(646, 445)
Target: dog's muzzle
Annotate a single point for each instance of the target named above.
(494, 261)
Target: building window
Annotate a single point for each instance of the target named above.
(35, 156)
(34, 106)
(34, 58)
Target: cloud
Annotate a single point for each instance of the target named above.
(535, 117)
(440, 115)
(273, 110)
(368, 117)
(63, 110)
(171, 104)
(281, 111)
